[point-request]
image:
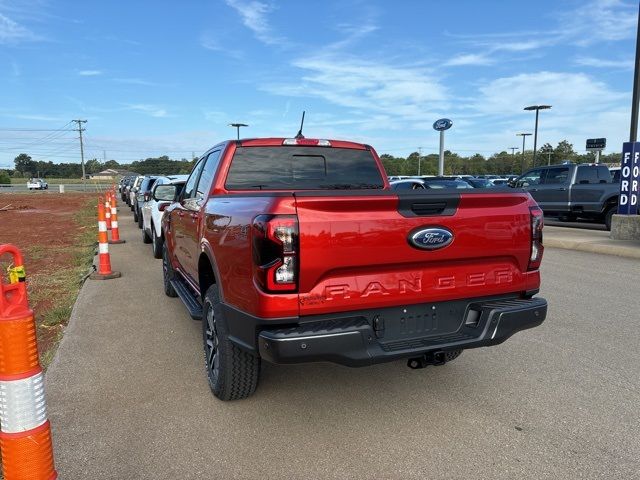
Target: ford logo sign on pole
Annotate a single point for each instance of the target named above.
(440, 126)
(431, 238)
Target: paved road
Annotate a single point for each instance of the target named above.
(128, 397)
(55, 188)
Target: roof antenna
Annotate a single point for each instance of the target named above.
(299, 134)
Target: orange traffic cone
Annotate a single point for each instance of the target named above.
(115, 231)
(107, 210)
(25, 432)
(104, 260)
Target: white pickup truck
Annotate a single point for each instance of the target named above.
(37, 184)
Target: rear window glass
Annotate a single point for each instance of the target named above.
(300, 168)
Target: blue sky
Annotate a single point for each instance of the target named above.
(167, 77)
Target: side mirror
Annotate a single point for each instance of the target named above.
(164, 193)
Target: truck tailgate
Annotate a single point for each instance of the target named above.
(355, 251)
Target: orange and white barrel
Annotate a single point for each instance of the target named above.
(104, 271)
(107, 210)
(25, 432)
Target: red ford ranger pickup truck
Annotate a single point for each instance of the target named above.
(296, 250)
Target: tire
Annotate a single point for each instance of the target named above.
(232, 372)
(608, 217)
(157, 243)
(168, 274)
(135, 214)
(145, 237)
(141, 221)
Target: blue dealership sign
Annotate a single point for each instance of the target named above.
(442, 124)
(629, 179)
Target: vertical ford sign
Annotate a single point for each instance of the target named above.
(629, 179)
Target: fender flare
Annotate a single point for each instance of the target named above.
(205, 247)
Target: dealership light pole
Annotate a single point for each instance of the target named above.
(524, 136)
(537, 108)
(237, 127)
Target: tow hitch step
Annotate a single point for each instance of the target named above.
(429, 358)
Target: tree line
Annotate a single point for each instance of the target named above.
(26, 167)
(501, 163)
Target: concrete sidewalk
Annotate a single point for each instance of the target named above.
(593, 241)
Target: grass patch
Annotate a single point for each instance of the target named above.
(60, 287)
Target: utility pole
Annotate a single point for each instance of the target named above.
(524, 136)
(513, 150)
(80, 130)
(419, 159)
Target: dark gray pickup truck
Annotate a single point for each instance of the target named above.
(571, 191)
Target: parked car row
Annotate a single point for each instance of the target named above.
(147, 212)
(456, 181)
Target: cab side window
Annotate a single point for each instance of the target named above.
(587, 174)
(557, 176)
(534, 177)
(190, 187)
(208, 172)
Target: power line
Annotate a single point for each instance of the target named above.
(34, 129)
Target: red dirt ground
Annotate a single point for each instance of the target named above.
(42, 225)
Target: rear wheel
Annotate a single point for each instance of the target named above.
(168, 274)
(232, 372)
(608, 217)
(141, 221)
(135, 214)
(156, 243)
(145, 237)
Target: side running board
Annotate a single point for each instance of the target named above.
(188, 298)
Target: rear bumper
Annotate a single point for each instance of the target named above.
(380, 335)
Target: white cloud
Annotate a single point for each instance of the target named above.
(466, 59)
(600, 20)
(621, 64)
(254, 15)
(11, 32)
(574, 93)
(152, 110)
(366, 85)
(209, 43)
(89, 73)
(136, 81)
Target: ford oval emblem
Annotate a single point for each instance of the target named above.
(430, 238)
(442, 124)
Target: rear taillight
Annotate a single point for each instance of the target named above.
(275, 252)
(537, 248)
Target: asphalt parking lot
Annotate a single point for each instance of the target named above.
(128, 397)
